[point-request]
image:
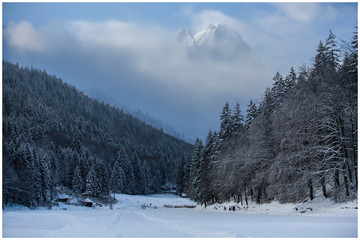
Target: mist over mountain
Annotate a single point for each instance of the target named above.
(184, 37)
(144, 117)
(173, 77)
(216, 40)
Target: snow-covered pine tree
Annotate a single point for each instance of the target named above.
(76, 145)
(138, 174)
(290, 80)
(237, 121)
(157, 181)
(130, 184)
(77, 181)
(37, 188)
(92, 184)
(195, 170)
(251, 113)
(332, 53)
(180, 177)
(279, 88)
(206, 171)
(225, 122)
(102, 176)
(121, 156)
(147, 178)
(46, 178)
(320, 63)
(117, 179)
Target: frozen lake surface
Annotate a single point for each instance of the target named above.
(128, 219)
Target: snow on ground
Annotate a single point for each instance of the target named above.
(320, 206)
(129, 219)
(158, 200)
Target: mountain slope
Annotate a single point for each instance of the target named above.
(144, 117)
(55, 135)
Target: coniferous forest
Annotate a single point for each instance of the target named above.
(298, 142)
(53, 135)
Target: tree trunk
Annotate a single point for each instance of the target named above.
(354, 147)
(344, 149)
(258, 196)
(246, 199)
(323, 186)
(264, 193)
(336, 178)
(311, 189)
(346, 181)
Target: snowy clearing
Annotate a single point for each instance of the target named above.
(129, 219)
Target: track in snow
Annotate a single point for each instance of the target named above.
(128, 219)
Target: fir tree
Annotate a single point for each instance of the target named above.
(251, 113)
(290, 80)
(180, 177)
(237, 121)
(225, 122)
(117, 179)
(279, 88)
(92, 184)
(77, 182)
(157, 181)
(138, 174)
(147, 178)
(196, 164)
(332, 53)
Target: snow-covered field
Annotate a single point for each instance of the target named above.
(129, 219)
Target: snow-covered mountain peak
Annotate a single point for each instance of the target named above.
(184, 37)
(216, 39)
(212, 26)
(217, 35)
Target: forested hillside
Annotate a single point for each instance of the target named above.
(300, 140)
(53, 135)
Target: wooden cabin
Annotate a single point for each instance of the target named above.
(87, 202)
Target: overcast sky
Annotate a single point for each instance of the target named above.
(127, 50)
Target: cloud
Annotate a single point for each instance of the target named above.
(24, 37)
(300, 12)
(202, 19)
(117, 35)
(276, 37)
(307, 12)
(143, 66)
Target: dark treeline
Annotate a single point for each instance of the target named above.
(53, 135)
(300, 140)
